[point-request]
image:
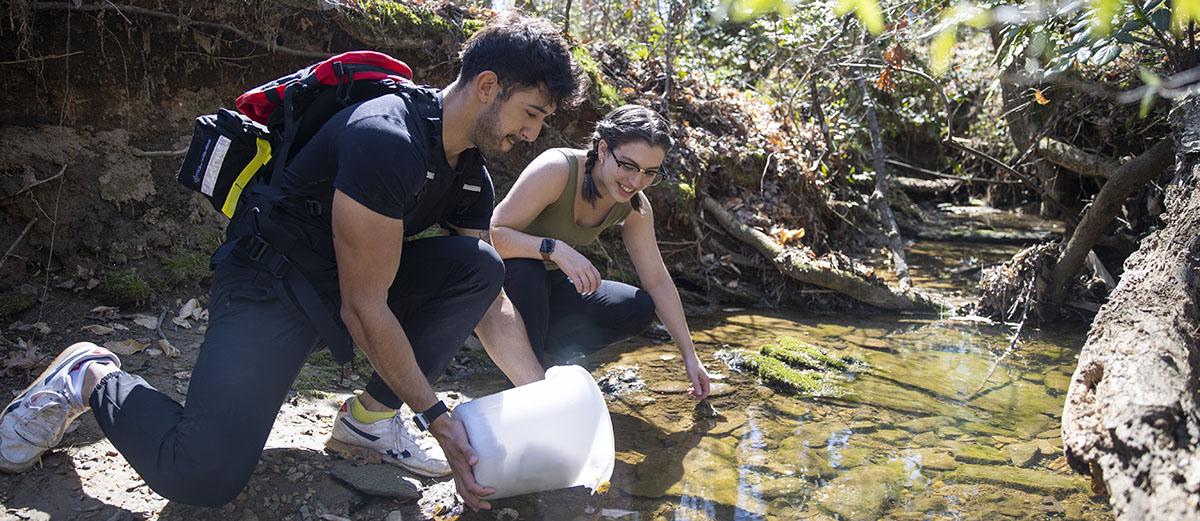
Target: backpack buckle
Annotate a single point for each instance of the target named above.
(257, 248)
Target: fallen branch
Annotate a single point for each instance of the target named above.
(968, 179)
(1076, 160)
(821, 273)
(13, 246)
(35, 184)
(1132, 175)
(1012, 343)
(879, 198)
(914, 185)
(962, 145)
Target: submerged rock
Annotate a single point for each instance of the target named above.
(863, 493)
(976, 453)
(1023, 454)
(1035, 481)
(926, 424)
(935, 459)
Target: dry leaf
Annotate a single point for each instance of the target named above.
(126, 347)
(105, 311)
(97, 329)
(189, 309)
(120, 327)
(146, 321)
(167, 348)
(40, 327)
(1040, 98)
(182, 322)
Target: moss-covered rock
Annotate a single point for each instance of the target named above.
(389, 24)
(603, 93)
(15, 302)
(796, 354)
(1035, 481)
(864, 492)
(125, 287)
(779, 374)
(982, 454)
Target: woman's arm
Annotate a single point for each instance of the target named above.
(638, 234)
(539, 186)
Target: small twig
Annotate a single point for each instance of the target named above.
(1012, 344)
(35, 184)
(762, 179)
(40, 58)
(1067, 213)
(53, 234)
(158, 327)
(969, 178)
(159, 153)
(18, 241)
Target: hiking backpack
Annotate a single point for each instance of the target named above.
(231, 150)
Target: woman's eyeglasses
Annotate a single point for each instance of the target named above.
(657, 175)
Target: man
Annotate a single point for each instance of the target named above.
(375, 173)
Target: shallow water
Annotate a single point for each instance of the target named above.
(911, 438)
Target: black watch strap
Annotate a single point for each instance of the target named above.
(547, 248)
(425, 418)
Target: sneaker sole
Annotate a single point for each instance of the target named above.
(363, 454)
(64, 357)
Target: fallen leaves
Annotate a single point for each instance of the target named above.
(146, 321)
(97, 329)
(126, 347)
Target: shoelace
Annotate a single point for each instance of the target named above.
(40, 426)
(407, 432)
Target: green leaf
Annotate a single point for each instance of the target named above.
(1148, 102)
(1161, 19)
(941, 50)
(1106, 55)
(867, 11)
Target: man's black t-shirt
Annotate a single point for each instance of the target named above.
(387, 154)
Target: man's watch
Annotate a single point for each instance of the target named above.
(547, 248)
(425, 418)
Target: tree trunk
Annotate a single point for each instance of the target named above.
(1072, 158)
(879, 200)
(1132, 175)
(1131, 419)
(822, 273)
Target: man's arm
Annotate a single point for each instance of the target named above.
(368, 247)
(503, 335)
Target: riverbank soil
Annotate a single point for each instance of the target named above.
(1132, 421)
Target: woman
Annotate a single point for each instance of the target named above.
(563, 200)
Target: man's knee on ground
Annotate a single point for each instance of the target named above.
(208, 484)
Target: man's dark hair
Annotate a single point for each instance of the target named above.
(524, 52)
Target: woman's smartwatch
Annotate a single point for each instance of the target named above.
(547, 248)
(425, 418)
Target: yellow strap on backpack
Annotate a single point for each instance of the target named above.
(235, 192)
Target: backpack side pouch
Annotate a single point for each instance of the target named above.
(228, 152)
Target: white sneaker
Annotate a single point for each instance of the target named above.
(395, 441)
(35, 421)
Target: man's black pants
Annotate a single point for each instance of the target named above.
(562, 323)
(203, 452)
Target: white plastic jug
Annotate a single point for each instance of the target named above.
(550, 434)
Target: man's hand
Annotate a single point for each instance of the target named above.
(452, 436)
(699, 377)
(577, 268)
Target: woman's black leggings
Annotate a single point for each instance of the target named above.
(561, 322)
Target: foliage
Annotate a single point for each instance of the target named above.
(125, 287)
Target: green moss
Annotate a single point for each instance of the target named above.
(389, 19)
(184, 266)
(795, 354)
(982, 454)
(125, 286)
(781, 375)
(604, 94)
(14, 302)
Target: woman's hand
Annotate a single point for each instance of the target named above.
(576, 267)
(699, 377)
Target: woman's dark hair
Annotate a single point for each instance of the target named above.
(524, 52)
(625, 124)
